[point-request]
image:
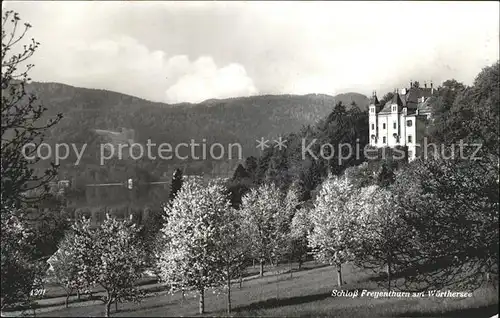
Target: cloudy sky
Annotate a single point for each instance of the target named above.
(192, 51)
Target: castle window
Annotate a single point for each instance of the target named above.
(409, 139)
(373, 126)
(394, 125)
(408, 123)
(383, 126)
(383, 140)
(393, 108)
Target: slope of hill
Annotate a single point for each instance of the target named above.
(240, 120)
(227, 120)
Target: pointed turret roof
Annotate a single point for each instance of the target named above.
(397, 100)
(374, 99)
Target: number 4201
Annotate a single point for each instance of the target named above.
(37, 292)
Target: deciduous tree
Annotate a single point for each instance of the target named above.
(450, 207)
(381, 234)
(234, 246)
(22, 124)
(299, 230)
(109, 256)
(21, 272)
(22, 128)
(267, 219)
(66, 267)
(191, 254)
(333, 238)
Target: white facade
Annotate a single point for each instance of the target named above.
(401, 121)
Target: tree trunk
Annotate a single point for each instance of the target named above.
(228, 290)
(116, 305)
(389, 275)
(241, 280)
(108, 306)
(202, 300)
(78, 294)
(300, 263)
(261, 268)
(277, 286)
(291, 268)
(67, 298)
(339, 275)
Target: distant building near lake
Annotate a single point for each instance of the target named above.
(117, 138)
(401, 121)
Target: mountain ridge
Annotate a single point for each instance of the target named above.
(240, 120)
(91, 116)
(344, 96)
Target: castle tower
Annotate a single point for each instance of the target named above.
(373, 129)
(393, 120)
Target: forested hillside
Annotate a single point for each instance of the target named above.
(460, 112)
(236, 120)
(228, 120)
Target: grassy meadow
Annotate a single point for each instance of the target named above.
(306, 293)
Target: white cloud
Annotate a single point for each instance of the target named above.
(204, 81)
(125, 65)
(162, 50)
(121, 64)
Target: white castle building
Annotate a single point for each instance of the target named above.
(402, 121)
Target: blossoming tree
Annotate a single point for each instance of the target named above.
(191, 254)
(109, 256)
(333, 238)
(267, 218)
